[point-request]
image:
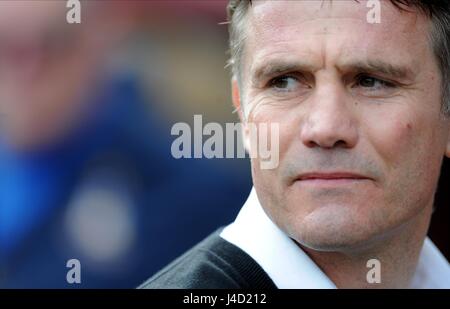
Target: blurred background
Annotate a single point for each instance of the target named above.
(86, 111)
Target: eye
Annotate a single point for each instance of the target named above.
(366, 81)
(284, 83)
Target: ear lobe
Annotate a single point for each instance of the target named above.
(236, 97)
(447, 150)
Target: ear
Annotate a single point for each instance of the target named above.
(236, 97)
(447, 150)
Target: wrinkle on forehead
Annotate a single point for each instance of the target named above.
(291, 15)
(277, 13)
(322, 9)
(321, 31)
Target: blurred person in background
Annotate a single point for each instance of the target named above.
(85, 165)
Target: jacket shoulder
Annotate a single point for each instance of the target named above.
(214, 263)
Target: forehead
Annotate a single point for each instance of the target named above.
(332, 31)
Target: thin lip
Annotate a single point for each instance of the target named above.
(330, 176)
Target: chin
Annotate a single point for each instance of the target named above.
(328, 230)
(330, 242)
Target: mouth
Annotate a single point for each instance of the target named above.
(330, 179)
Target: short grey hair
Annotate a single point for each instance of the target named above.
(437, 10)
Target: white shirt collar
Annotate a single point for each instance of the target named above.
(290, 267)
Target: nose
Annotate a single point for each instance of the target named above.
(330, 120)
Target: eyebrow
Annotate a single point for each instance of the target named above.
(397, 71)
(278, 67)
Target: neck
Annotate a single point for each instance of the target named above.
(397, 253)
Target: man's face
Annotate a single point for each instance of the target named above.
(352, 99)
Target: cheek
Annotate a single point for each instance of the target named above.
(392, 141)
(409, 153)
(287, 122)
(267, 181)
